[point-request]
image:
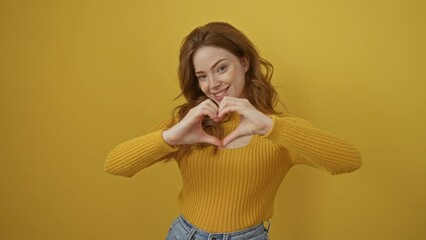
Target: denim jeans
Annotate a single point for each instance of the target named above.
(181, 229)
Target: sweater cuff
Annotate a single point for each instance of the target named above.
(163, 145)
(278, 126)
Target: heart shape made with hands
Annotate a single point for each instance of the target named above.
(189, 130)
(239, 142)
(252, 122)
(233, 140)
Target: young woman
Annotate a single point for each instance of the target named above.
(232, 148)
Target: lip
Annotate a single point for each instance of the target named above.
(219, 95)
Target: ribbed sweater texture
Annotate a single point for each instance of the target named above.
(234, 189)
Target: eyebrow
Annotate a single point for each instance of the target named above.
(214, 65)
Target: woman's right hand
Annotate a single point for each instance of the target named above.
(189, 130)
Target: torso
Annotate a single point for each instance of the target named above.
(240, 142)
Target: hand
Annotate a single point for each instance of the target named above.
(189, 130)
(252, 121)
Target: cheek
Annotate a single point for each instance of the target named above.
(240, 86)
(240, 80)
(203, 86)
(238, 76)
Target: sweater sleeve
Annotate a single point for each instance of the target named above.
(128, 158)
(314, 147)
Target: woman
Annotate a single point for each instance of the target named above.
(232, 148)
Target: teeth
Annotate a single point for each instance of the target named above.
(220, 94)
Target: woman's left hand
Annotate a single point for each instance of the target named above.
(252, 121)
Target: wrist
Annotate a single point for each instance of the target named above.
(268, 125)
(167, 137)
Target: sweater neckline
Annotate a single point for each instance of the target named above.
(251, 142)
(230, 125)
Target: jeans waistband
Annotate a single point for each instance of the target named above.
(191, 228)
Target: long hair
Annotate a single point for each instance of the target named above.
(257, 88)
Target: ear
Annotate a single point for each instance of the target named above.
(245, 62)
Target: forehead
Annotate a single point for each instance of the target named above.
(205, 57)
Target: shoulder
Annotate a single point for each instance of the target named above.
(165, 124)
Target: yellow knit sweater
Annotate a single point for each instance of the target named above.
(235, 189)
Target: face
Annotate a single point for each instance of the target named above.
(220, 73)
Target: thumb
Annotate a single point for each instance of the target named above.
(231, 137)
(211, 140)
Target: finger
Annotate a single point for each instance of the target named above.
(231, 100)
(211, 103)
(227, 109)
(211, 112)
(231, 137)
(225, 102)
(208, 109)
(212, 140)
(238, 105)
(227, 98)
(214, 109)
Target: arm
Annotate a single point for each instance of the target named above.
(134, 155)
(314, 147)
(305, 143)
(128, 158)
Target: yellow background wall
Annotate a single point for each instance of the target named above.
(79, 77)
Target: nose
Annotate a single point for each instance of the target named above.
(214, 82)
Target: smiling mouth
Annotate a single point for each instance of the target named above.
(221, 94)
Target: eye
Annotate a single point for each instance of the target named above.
(201, 77)
(222, 68)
